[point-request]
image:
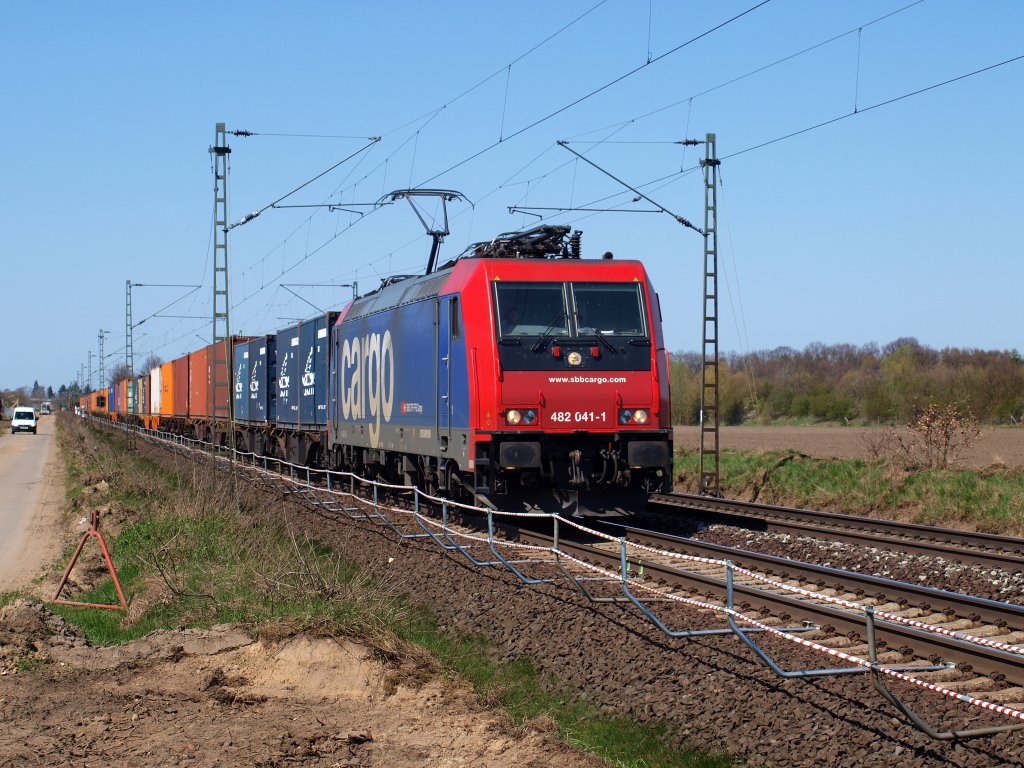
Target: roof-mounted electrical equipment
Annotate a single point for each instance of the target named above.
(547, 241)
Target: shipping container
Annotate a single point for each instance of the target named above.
(241, 381)
(259, 365)
(199, 383)
(263, 379)
(314, 346)
(121, 397)
(180, 387)
(200, 380)
(156, 390)
(287, 377)
(302, 361)
(141, 395)
(166, 389)
(130, 396)
(96, 402)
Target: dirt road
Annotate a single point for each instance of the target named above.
(218, 698)
(31, 491)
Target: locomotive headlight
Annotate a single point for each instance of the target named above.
(574, 358)
(633, 416)
(530, 416)
(513, 417)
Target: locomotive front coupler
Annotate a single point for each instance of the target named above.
(576, 478)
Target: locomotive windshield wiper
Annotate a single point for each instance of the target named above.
(546, 337)
(600, 337)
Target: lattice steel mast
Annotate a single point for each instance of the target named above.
(220, 379)
(710, 481)
(129, 355)
(102, 335)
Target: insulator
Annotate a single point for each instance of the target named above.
(574, 244)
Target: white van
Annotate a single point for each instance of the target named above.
(23, 420)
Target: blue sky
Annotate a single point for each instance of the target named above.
(901, 220)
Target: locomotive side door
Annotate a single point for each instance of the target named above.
(442, 322)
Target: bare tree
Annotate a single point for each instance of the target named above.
(151, 362)
(119, 373)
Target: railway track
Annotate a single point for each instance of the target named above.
(956, 613)
(988, 672)
(962, 645)
(984, 549)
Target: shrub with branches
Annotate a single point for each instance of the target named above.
(937, 437)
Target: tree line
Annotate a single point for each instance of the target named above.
(70, 393)
(845, 383)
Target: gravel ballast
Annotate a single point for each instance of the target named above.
(711, 689)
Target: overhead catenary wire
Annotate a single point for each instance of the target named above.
(685, 222)
(505, 69)
(429, 116)
(300, 135)
(671, 179)
(676, 175)
(887, 102)
(683, 170)
(249, 217)
(596, 91)
(433, 113)
(757, 70)
(166, 306)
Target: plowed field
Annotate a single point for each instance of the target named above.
(1003, 446)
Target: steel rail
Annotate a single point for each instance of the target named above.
(1000, 666)
(986, 549)
(782, 568)
(980, 659)
(983, 660)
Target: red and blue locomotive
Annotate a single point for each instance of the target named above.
(519, 374)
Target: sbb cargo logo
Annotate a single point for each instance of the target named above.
(368, 381)
(284, 380)
(308, 376)
(254, 382)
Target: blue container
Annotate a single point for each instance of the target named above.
(314, 345)
(261, 388)
(302, 372)
(240, 385)
(288, 375)
(113, 405)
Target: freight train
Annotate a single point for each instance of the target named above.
(518, 375)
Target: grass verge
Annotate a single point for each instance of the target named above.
(191, 553)
(990, 500)
(528, 696)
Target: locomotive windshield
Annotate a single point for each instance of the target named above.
(569, 309)
(531, 309)
(608, 309)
